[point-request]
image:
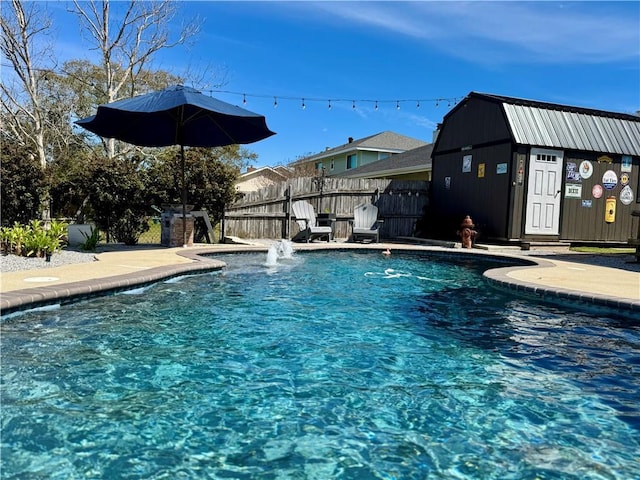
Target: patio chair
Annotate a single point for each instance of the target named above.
(306, 219)
(365, 223)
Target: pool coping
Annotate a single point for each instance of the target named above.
(499, 277)
(41, 296)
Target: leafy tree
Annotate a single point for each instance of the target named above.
(210, 175)
(39, 101)
(82, 81)
(23, 183)
(119, 200)
(73, 94)
(69, 180)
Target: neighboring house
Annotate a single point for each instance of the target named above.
(414, 164)
(357, 153)
(533, 171)
(256, 178)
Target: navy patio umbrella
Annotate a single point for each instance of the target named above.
(177, 115)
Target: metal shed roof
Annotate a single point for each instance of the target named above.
(571, 130)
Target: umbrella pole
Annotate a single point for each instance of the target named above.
(184, 200)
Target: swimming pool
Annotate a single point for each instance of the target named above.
(326, 365)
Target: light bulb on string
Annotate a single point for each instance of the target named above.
(451, 102)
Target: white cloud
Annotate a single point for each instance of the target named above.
(497, 32)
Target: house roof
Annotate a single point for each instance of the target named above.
(277, 171)
(562, 126)
(387, 141)
(414, 160)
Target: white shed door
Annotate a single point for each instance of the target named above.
(544, 192)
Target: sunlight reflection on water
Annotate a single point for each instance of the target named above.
(327, 365)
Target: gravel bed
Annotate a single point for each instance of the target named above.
(15, 263)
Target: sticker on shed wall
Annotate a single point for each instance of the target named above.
(624, 179)
(573, 190)
(481, 170)
(626, 163)
(501, 168)
(466, 163)
(609, 180)
(586, 169)
(626, 195)
(587, 203)
(597, 191)
(521, 159)
(572, 173)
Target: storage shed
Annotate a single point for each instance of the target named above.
(532, 171)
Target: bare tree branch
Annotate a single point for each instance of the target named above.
(21, 29)
(128, 40)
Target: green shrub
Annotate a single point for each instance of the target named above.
(33, 239)
(118, 198)
(23, 184)
(91, 240)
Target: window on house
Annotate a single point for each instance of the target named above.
(319, 166)
(332, 165)
(351, 161)
(383, 155)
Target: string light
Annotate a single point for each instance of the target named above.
(377, 103)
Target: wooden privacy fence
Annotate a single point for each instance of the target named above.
(266, 213)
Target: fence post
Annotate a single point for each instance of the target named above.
(223, 223)
(287, 217)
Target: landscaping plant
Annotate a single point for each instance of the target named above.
(91, 240)
(34, 239)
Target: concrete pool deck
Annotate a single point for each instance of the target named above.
(124, 268)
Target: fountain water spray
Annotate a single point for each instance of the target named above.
(281, 249)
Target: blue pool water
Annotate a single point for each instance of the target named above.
(327, 365)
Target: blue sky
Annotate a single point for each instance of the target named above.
(576, 53)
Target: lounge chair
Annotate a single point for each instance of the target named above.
(306, 219)
(365, 223)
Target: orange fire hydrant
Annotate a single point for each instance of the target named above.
(467, 232)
